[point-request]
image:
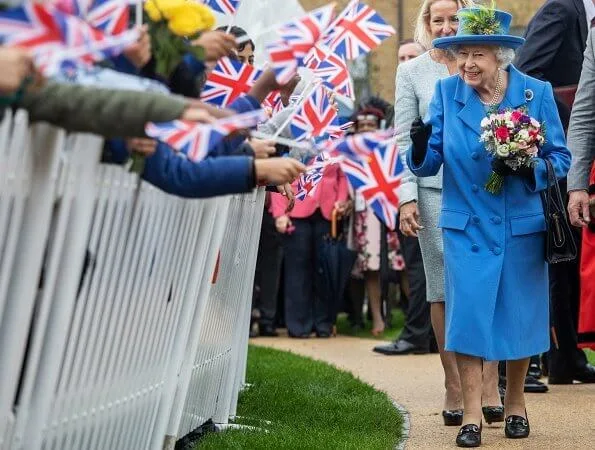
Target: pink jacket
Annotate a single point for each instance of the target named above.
(332, 188)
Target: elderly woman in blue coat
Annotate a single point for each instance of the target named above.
(496, 281)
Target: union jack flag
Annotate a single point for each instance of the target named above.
(190, 138)
(338, 131)
(109, 16)
(55, 37)
(273, 102)
(358, 30)
(283, 62)
(358, 146)
(228, 7)
(309, 180)
(333, 71)
(314, 116)
(228, 80)
(195, 140)
(303, 34)
(377, 178)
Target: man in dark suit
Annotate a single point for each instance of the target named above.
(553, 51)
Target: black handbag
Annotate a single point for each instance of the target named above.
(560, 245)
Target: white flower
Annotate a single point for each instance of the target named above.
(523, 135)
(503, 151)
(535, 123)
(485, 122)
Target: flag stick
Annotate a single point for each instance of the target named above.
(280, 140)
(138, 13)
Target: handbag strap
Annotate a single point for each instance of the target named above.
(552, 182)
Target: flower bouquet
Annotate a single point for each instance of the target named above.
(172, 26)
(512, 136)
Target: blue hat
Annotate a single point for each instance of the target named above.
(482, 26)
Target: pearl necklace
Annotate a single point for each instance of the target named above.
(497, 92)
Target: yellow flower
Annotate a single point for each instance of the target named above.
(185, 18)
(154, 9)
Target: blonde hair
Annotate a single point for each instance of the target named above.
(422, 34)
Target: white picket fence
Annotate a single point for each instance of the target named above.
(112, 333)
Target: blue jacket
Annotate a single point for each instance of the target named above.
(220, 174)
(496, 280)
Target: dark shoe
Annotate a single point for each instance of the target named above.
(517, 427)
(534, 371)
(469, 436)
(400, 347)
(535, 386)
(452, 417)
(299, 336)
(586, 374)
(268, 331)
(323, 334)
(493, 413)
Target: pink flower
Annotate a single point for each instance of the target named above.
(502, 133)
(532, 151)
(516, 116)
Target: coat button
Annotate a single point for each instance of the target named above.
(497, 220)
(475, 188)
(475, 219)
(475, 248)
(497, 251)
(475, 156)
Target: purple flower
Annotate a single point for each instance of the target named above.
(525, 119)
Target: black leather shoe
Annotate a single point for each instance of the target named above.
(516, 427)
(493, 414)
(400, 347)
(534, 371)
(585, 375)
(469, 436)
(268, 331)
(452, 417)
(535, 386)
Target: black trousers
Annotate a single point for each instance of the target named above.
(565, 298)
(418, 324)
(306, 306)
(268, 270)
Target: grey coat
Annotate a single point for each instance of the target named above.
(581, 133)
(415, 84)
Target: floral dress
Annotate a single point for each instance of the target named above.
(367, 244)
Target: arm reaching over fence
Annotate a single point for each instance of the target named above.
(107, 112)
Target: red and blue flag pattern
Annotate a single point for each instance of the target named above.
(357, 31)
(377, 177)
(229, 80)
(314, 115)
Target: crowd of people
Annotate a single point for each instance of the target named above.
(472, 267)
(458, 248)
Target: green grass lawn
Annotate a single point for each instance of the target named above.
(390, 334)
(310, 405)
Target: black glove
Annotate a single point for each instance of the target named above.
(420, 135)
(502, 169)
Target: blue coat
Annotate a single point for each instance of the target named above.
(496, 279)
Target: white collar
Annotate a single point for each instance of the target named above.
(590, 10)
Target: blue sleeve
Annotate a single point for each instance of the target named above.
(123, 64)
(241, 104)
(211, 177)
(115, 152)
(555, 148)
(434, 156)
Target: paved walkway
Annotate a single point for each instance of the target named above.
(564, 418)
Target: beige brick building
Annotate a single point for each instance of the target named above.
(382, 63)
